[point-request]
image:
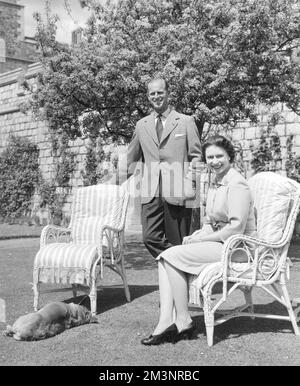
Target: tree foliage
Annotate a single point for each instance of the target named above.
(221, 58)
(19, 175)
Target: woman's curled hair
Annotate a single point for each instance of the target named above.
(220, 141)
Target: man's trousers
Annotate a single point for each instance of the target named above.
(164, 225)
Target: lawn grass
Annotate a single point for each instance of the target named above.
(115, 340)
(8, 231)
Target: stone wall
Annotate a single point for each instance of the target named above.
(13, 121)
(248, 135)
(18, 51)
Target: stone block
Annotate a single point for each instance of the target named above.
(74, 149)
(69, 199)
(283, 152)
(243, 124)
(264, 110)
(82, 150)
(67, 207)
(293, 128)
(76, 143)
(46, 168)
(245, 144)
(297, 140)
(297, 118)
(264, 118)
(285, 108)
(44, 145)
(289, 116)
(45, 153)
(251, 132)
(254, 143)
(280, 130)
(47, 175)
(79, 158)
(283, 141)
(46, 161)
(296, 149)
(237, 134)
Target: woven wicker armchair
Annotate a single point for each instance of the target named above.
(94, 239)
(265, 264)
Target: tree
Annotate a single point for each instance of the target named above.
(221, 58)
(19, 175)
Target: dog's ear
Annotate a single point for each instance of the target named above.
(73, 310)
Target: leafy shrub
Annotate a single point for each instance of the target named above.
(267, 155)
(292, 163)
(19, 174)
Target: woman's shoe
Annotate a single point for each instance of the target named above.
(165, 336)
(185, 334)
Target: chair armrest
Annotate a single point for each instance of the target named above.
(113, 229)
(54, 233)
(249, 243)
(237, 238)
(115, 239)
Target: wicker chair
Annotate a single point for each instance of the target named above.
(266, 266)
(94, 239)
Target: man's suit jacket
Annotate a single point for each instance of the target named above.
(171, 157)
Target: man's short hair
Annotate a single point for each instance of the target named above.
(159, 78)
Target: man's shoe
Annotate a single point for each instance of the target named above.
(165, 336)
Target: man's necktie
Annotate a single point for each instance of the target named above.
(159, 127)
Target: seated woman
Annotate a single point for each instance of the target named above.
(229, 210)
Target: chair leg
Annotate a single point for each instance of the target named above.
(36, 287)
(290, 308)
(209, 320)
(174, 314)
(210, 334)
(209, 326)
(296, 304)
(121, 270)
(126, 288)
(93, 298)
(74, 290)
(248, 299)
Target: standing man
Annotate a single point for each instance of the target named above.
(166, 142)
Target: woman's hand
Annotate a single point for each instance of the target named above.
(193, 238)
(186, 240)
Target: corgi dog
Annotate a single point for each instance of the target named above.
(49, 321)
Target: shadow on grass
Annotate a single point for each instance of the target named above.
(137, 257)
(294, 250)
(241, 326)
(109, 297)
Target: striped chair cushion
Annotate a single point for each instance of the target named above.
(94, 206)
(65, 263)
(271, 193)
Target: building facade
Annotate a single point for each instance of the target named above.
(16, 49)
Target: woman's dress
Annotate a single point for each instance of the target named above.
(229, 211)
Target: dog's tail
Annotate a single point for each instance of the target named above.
(9, 331)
